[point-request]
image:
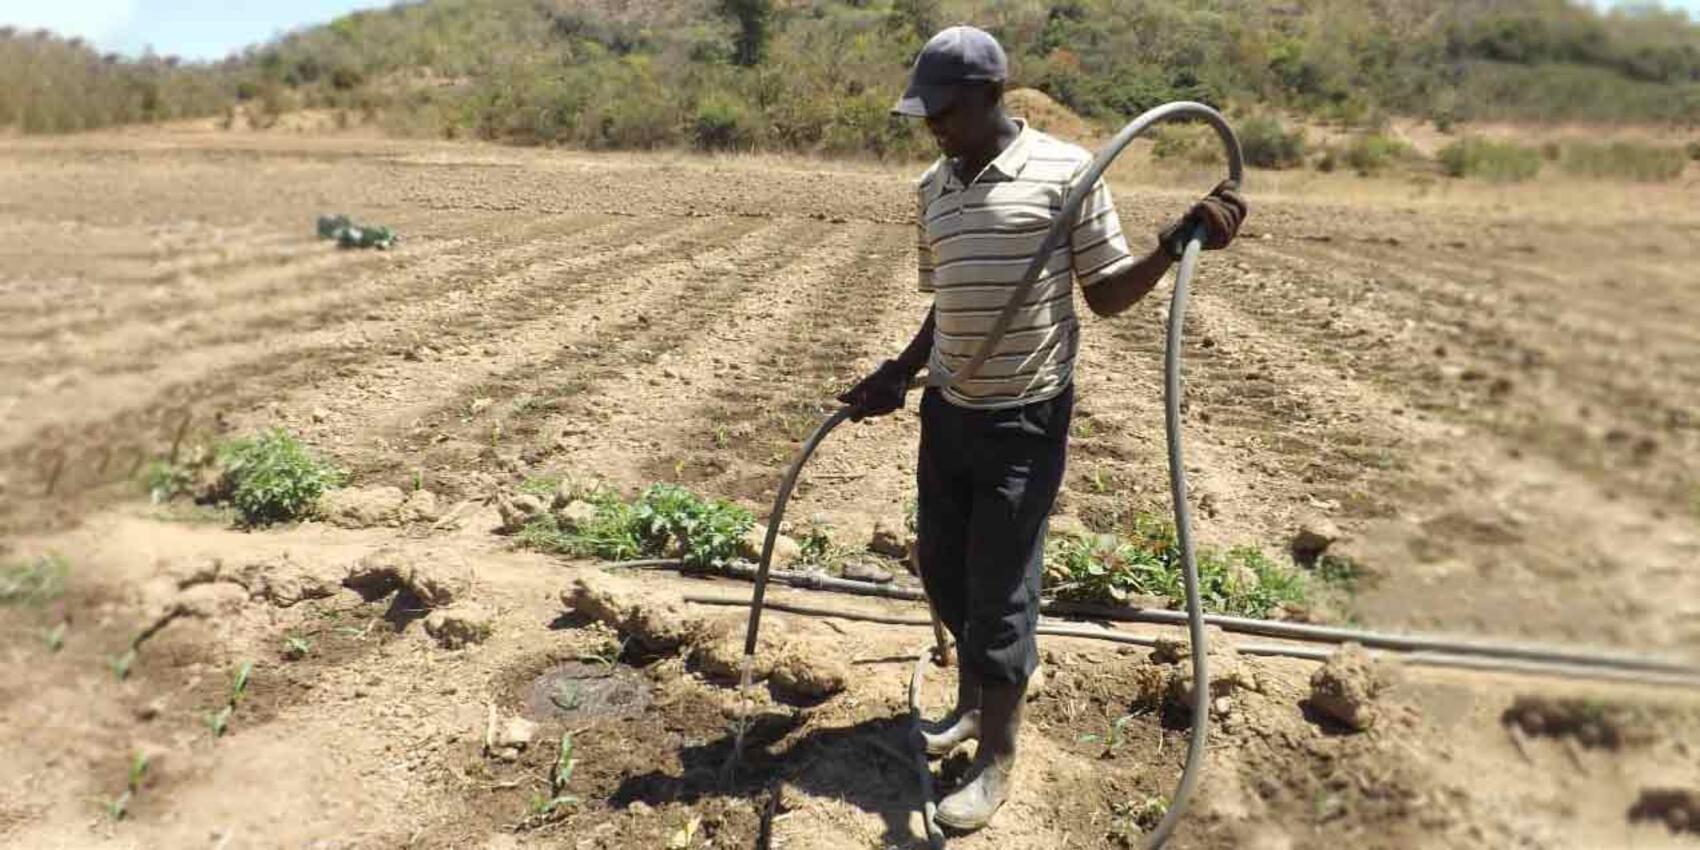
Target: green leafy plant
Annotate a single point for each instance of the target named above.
(1146, 561)
(706, 533)
(274, 478)
(666, 520)
(165, 480)
(33, 581)
(815, 543)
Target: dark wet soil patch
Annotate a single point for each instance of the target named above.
(576, 691)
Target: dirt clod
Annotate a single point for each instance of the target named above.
(1592, 723)
(1345, 688)
(785, 550)
(362, 507)
(1678, 809)
(391, 569)
(1313, 538)
(1229, 671)
(889, 539)
(518, 510)
(421, 506)
(809, 677)
(575, 513)
(459, 626)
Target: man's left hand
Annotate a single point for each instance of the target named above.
(1221, 213)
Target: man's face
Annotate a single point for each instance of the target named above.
(964, 125)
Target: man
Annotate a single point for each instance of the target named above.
(992, 451)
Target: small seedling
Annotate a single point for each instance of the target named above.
(1112, 737)
(118, 807)
(722, 437)
(55, 637)
(296, 648)
(1099, 481)
(239, 684)
(418, 480)
(566, 696)
(543, 805)
(219, 721)
(1150, 812)
(122, 664)
(607, 655)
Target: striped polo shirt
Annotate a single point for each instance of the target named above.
(976, 240)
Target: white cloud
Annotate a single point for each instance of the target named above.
(98, 21)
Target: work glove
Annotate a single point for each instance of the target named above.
(879, 393)
(1221, 212)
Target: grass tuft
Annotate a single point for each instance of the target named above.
(665, 521)
(33, 581)
(1499, 162)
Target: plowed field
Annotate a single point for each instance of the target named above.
(1494, 392)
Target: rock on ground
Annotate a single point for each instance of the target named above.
(518, 510)
(421, 506)
(785, 550)
(459, 626)
(1313, 538)
(362, 507)
(1346, 687)
(390, 569)
(889, 539)
(1229, 671)
(809, 676)
(576, 513)
(713, 644)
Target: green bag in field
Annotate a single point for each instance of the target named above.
(350, 235)
(330, 224)
(353, 236)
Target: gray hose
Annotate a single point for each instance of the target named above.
(1535, 658)
(1061, 227)
(1413, 658)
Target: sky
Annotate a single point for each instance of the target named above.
(192, 29)
(213, 29)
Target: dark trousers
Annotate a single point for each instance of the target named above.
(987, 480)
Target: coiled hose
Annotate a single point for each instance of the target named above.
(1054, 238)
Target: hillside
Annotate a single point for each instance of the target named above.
(818, 76)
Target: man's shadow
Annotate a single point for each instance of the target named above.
(869, 765)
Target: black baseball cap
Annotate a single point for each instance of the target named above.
(956, 57)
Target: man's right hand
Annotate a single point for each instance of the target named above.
(879, 393)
